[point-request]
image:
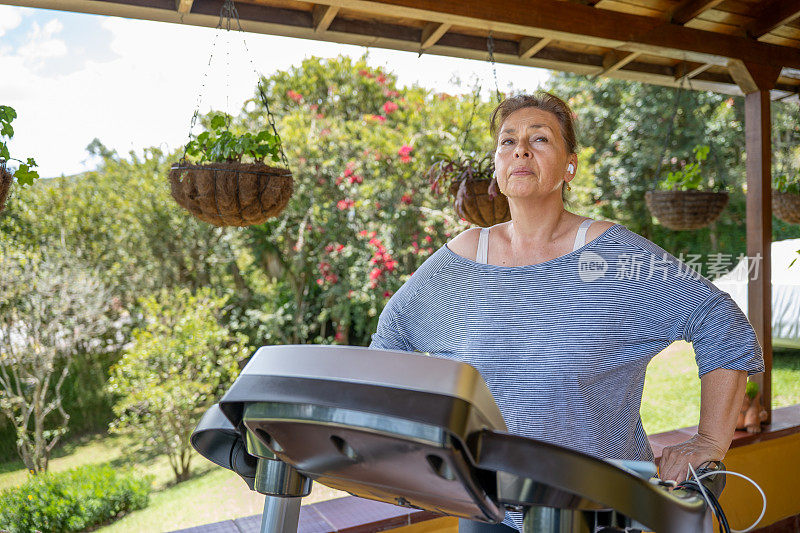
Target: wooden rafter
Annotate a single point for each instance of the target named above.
(772, 15)
(183, 6)
(614, 61)
(431, 33)
(530, 46)
(322, 16)
(690, 9)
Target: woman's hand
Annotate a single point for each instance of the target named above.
(675, 459)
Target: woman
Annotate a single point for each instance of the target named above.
(561, 314)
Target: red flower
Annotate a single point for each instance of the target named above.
(405, 150)
(375, 273)
(339, 336)
(389, 107)
(345, 204)
(365, 73)
(406, 199)
(340, 248)
(329, 248)
(319, 281)
(339, 180)
(294, 95)
(348, 172)
(428, 238)
(387, 294)
(405, 159)
(362, 233)
(377, 205)
(356, 179)
(381, 78)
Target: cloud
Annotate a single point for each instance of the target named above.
(143, 91)
(10, 18)
(41, 43)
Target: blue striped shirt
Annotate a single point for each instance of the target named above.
(563, 345)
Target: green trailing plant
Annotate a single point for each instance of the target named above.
(690, 177)
(24, 173)
(447, 173)
(751, 390)
(785, 184)
(219, 144)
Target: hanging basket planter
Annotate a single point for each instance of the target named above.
(231, 194)
(686, 210)
(5, 185)
(478, 201)
(470, 182)
(786, 206)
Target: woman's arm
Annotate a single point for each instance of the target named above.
(721, 393)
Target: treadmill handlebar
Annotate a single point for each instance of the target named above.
(216, 439)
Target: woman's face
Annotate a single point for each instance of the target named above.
(531, 156)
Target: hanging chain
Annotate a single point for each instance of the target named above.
(196, 113)
(490, 45)
(672, 122)
(475, 98)
(227, 15)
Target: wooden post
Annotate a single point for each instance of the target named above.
(756, 82)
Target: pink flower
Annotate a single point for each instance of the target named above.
(428, 238)
(345, 204)
(405, 159)
(362, 233)
(406, 199)
(339, 336)
(375, 273)
(405, 150)
(348, 172)
(319, 281)
(356, 179)
(294, 95)
(387, 294)
(365, 73)
(339, 180)
(340, 248)
(389, 107)
(381, 78)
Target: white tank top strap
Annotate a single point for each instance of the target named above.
(483, 247)
(580, 238)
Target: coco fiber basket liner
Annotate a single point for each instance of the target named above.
(682, 210)
(231, 194)
(5, 186)
(786, 206)
(473, 202)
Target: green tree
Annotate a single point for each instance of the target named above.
(179, 362)
(51, 308)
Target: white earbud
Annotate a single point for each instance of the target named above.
(571, 168)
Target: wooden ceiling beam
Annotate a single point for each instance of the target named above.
(554, 19)
(322, 16)
(530, 46)
(772, 15)
(431, 33)
(183, 6)
(752, 78)
(691, 9)
(578, 23)
(614, 61)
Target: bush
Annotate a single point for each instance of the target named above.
(73, 500)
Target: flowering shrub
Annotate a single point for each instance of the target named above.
(362, 218)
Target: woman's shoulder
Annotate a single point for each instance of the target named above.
(597, 228)
(465, 243)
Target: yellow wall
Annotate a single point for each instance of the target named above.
(773, 464)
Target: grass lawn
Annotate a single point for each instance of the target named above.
(672, 389)
(671, 400)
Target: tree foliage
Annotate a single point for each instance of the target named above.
(178, 364)
(51, 307)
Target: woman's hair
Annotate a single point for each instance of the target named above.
(539, 100)
(546, 102)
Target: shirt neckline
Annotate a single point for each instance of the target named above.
(535, 266)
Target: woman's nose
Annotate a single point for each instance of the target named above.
(522, 150)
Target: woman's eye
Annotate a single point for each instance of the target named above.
(506, 141)
(540, 138)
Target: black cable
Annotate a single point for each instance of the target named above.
(722, 520)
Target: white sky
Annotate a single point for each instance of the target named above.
(133, 84)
